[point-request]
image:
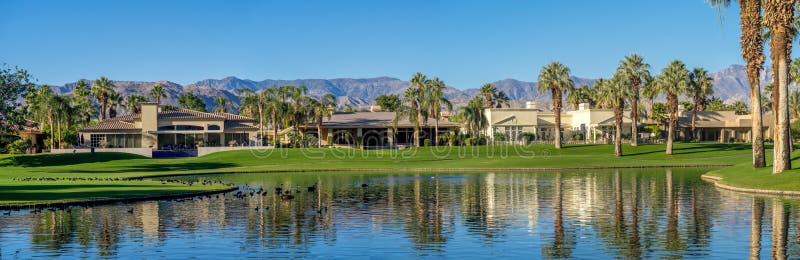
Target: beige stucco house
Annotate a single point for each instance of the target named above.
(180, 129)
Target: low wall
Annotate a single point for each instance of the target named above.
(146, 152)
(201, 151)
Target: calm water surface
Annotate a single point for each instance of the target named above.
(595, 214)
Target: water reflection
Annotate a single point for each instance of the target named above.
(625, 214)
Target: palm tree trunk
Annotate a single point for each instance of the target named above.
(261, 123)
(557, 114)
(52, 130)
(319, 131)
(782, 151)
(59, 132)
(752, 52)
(635, 116)
(672, 100)
(436, 132)
(779, 14)
(618, 134)
(102, 110)
(694, 121)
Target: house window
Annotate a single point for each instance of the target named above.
(213, 127)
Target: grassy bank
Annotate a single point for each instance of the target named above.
(69, 177)
(743, 175)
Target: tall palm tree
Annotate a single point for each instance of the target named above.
(320, 110)
(500, 99)
(649, 92)
(471, 116)
(779, 15)
(411, 109)
(636, 70)
(613, 93)
(673, 81)
(753, 54)
(114, 101)
(298, 107)
(794, 103)
(488, 91)
(437, 100)
(82, 102)
(579, 95)
(700, 88)
(158, 92)
(254, 101)
(42, 109)
(554, 77)
(419, 81)
(220, 103)
(274, 107)
(101, 89)
(134, 103)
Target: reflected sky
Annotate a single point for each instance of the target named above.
(645, 213)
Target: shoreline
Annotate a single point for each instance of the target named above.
(716, 181)
(512, 169)
(97, 202)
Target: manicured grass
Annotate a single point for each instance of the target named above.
(743, 175)
(111, 165)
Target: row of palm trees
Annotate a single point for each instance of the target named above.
(284, 107)
(423, 99)
(624, 89)
(779, 21)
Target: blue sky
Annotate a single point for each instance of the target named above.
(466, 43)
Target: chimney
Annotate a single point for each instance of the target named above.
(530, 105)
(375, 108)
(584, 106)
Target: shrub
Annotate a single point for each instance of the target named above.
(19, 146)
(427, 142)
(468, 141)
(500, 137)
(330, 140)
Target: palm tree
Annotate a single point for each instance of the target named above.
(411, 109)
(613, 93)
(555, 78)
(274, 107)
(82, 102)
(320, 110)
(42, 109)
(673, 81)
(779, 15)
(254, 101)
(134, 103)
(753, 54)
(636, 70)
(114, 101)
(794, 103)
(650, 91)
(471, 116)
(158, 92)
(220, 103)
(488, 91)
(700, 88)
(298, 109)
(579, 95)
(437, 100)
(500, 99)
(101, 89)
(419, 81)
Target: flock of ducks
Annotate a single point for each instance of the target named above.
(285, 194)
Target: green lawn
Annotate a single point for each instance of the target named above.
(743, 175)
(16, 171)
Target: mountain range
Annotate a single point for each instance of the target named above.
(730, 84)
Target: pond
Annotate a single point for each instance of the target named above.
(644, 213)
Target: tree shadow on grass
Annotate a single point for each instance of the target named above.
(700, 148)
(63, 159)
